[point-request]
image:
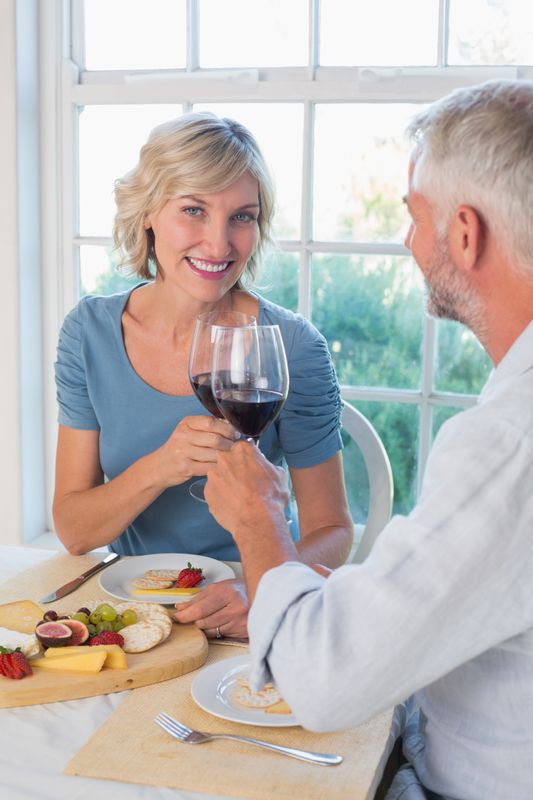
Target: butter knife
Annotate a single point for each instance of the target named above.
(71, 586)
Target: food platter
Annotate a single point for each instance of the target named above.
(183, 650)
(117, 579)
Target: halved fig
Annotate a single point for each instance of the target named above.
(54, 634)
(80, 632)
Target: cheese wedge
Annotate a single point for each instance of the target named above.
(170, 592)
(115, 655)
(26, 641)
(21, 616)
(81, 662)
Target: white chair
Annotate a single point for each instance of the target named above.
(380, 481)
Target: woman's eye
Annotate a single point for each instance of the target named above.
(193, 211)
(244, 217)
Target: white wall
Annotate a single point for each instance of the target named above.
(10, 455)
(21, 451)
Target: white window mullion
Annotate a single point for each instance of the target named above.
(75, 30)
(306, 221)
(428, 382)
(314, 37)
(444, 32)
(53, 47)
(193, 37)
(69, 187)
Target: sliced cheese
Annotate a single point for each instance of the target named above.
(115, 655)
(81, 662)
(171, 592)
(22, 616)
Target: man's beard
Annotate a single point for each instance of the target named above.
(450, 295)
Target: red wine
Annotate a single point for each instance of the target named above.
(202, 388)
(250, 411)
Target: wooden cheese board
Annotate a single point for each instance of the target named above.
(185, 649)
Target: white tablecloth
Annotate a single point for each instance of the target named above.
(36, 742)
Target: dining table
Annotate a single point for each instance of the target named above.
(78, 747)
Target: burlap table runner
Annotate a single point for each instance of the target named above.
(129, 747)
(148, 755)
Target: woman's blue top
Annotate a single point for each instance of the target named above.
(98, 389)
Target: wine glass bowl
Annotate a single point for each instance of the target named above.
(250, 378)
(200, 362)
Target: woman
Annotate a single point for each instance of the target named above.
(192, 218)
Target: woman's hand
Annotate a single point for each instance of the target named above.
(192, 448)
(222, 605)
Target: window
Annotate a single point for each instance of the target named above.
(327, 86)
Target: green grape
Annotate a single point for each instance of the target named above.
(117, 625)
(81, 617)
(108, 614)
(103, 607)
(92, 629)
(104, 626)
(129, 617)
(95, 618)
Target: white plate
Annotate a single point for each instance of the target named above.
(212, 689)
(116, 580)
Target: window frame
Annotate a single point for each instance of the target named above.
(66, 86)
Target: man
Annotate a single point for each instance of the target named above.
(442, 609)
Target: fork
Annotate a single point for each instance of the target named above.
(185, 734)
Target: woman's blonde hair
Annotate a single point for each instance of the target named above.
(195, 153)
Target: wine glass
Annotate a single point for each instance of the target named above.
(200, 359)
(250, 378)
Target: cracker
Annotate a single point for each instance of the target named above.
(162, 574)
(142, 609)
(281, 707)
(149, 612)
(141, 636)
(148, 583)
(164, 623)
(243, 695)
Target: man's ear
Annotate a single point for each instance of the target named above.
(466, 237)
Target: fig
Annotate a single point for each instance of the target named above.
(53, 634)
(80, 632)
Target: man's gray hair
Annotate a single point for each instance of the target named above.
(475, 147)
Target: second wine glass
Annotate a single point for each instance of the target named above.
(250, 377)
(200, 361)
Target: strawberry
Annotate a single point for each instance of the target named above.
(5, 666)
(14, 664)
(107, 637)
(188, 577)
(20, 664)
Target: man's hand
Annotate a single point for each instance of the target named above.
(222, 605)
(248, 495)
(244, 490)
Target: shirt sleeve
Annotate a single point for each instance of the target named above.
(75, 409)
(439, 588)
(309, 424)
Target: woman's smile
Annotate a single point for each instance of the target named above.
(211, 270)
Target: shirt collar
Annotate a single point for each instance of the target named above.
(518, 359)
